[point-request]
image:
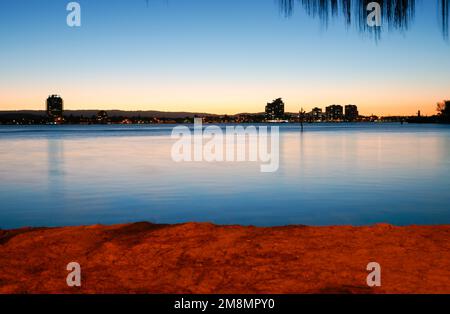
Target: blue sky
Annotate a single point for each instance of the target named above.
(214, 56)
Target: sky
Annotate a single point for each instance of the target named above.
(216, 56)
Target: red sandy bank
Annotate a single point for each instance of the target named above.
(204, 258)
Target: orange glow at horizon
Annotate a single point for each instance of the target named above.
(226, 97)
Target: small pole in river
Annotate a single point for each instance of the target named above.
(301, 117)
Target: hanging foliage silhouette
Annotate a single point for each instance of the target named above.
(396, 14)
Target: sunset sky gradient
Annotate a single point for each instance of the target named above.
(214, 56)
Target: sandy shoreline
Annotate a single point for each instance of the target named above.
(205, 258)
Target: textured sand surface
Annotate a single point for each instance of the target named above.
(204, 258)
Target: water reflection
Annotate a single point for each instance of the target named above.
(55, 164)
(355, 174)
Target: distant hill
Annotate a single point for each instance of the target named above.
(120, 113)
(28, 114)
(116, 113)
(111, 113)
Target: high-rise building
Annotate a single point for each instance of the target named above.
(275, 110)
(316, 114)
(335, 113)
(351, 113)
(55, 107)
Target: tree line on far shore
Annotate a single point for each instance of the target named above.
(443, 114)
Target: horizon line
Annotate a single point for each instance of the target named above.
(213, 114)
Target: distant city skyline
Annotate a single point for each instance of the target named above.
(220, 57)
(272, 110)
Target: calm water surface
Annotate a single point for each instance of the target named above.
(354, 174)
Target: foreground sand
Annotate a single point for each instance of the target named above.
(204, 258)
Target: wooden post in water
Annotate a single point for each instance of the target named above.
(301, 116)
